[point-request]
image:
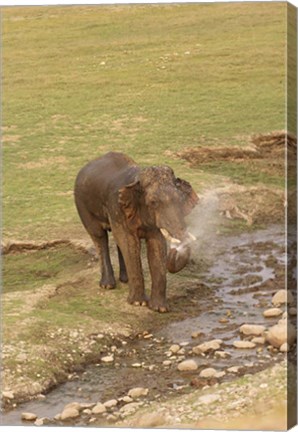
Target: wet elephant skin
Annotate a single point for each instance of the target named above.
(112, 193)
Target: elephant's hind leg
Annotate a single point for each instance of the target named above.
(101, 242)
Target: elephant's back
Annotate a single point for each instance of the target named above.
(105, 175)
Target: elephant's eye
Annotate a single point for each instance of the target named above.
(153, 203)
(178, 182)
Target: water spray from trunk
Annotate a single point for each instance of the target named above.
(203, 222)
(202, 227)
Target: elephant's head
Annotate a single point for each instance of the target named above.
(157, 199)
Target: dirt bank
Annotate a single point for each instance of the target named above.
(267, 147)
(252, 204)
(257, 188)
(14, 246)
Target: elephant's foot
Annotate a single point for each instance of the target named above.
(107, 283)
(123, 277)
(158, 305)
(138, 300)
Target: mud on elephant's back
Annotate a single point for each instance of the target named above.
(177, 258)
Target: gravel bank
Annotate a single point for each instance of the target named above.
(253, 401)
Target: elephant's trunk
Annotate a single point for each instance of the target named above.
(177, 259)
(179, 252)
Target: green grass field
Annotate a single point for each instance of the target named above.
(146, 80)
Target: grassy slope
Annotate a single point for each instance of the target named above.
(147, 80)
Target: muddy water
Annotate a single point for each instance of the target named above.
(247, 270)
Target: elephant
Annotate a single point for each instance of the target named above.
(112, 193)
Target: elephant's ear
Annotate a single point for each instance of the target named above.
(128, 199)
(188, 196)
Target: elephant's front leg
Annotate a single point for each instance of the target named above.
(157, 255)
(130, 247)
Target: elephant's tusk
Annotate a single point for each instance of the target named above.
(189, 239)
(169, 237)
(165, 233)
(191, 236)
(175, 241)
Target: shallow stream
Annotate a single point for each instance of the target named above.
(247, 271)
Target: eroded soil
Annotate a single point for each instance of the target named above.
(271, 146)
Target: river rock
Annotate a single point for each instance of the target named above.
(137, 392)
(273, 312)
(129, 408)
(87, 411)
(234, 369)
(40, 397)
(281, 333)
(208, 373)
(208, 346)
(282, 296)
(220, 374)
(74, 405)
(148, 336)
(40, 421)
(293, 311)
(126, 399)
(28, 416)
(208, 399)
(167, 363)
(8, 395)
(284, 348)
(175, 348)
(184, 344)
(252, 329)
(108, 359)
(259, 340)
(136, 365)
(69, 413)
(196, 334)
(99, 409)
(187, 365)
(111, 403)
(244, 344)
(222, 354)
